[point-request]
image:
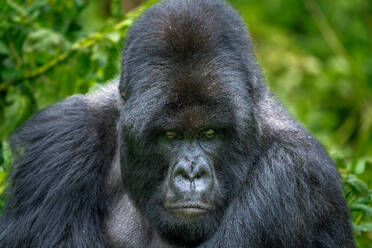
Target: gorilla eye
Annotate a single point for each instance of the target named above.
(209, 134)
(172, 135)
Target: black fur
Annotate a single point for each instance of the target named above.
(90, 171)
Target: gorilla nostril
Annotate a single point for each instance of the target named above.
(188, 172)
(182, 173)
(200, 174)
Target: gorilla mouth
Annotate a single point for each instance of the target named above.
(189, 210)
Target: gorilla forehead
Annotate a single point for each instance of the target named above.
(184, 96)
(189, 34)
(190, 55)
(184, 109)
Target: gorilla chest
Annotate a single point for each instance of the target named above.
(126, 228)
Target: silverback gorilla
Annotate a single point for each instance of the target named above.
(187, 149)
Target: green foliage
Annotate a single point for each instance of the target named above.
(316, 55)
(46, 55)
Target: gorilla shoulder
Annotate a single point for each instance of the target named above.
(61, 154)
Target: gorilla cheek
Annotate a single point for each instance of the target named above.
(141, 177)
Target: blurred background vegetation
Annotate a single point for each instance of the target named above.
(316, 56)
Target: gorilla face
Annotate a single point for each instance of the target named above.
(179, 164)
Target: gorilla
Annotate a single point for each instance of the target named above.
(187, 149)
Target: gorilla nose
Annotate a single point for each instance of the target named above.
(191, 176)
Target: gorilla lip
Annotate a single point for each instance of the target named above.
(189, 209)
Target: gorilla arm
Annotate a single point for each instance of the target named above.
(57, 198)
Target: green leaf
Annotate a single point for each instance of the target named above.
(7, 155)
(114, 37)
(3, 48)
(364, 200)
(367, 227)
(360, 166)
(42, 45)
(358, 185)
(361, 207)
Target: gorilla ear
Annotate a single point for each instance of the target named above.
(122, 94)
(122, 90)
